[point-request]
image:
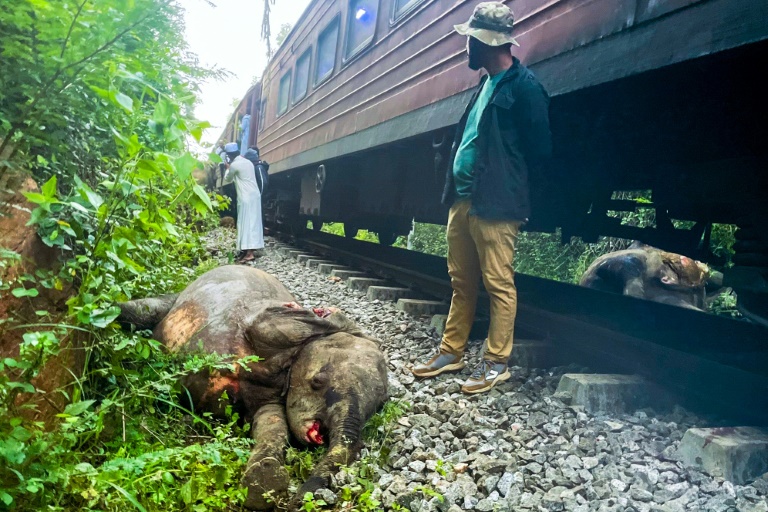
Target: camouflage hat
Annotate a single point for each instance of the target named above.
(491, 23)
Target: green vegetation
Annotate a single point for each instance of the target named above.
(96, 101)
(285, 29)
(337, 228)
(543, 254)
(538, 254)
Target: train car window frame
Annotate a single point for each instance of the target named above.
(405, 9)
(335, 24)
(350, 54)
(288, 75)
(262, 115)
(308, 55)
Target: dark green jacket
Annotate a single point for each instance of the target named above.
(514, 145)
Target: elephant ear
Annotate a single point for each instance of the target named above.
(340, 322)
(669, 279)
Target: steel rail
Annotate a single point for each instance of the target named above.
(711, 364)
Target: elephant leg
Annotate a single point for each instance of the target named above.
(146, 313)
(265, 470)
(339, 454)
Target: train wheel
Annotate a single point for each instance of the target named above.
(350, 230)
(387, 237)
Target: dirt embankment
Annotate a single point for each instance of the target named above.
(15, 235)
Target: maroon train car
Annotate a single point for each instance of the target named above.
(357, 110)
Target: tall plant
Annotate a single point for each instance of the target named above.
(65, 64)
(97, 99)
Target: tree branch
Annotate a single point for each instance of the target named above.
(24, 115)
(103, 47)
(266, 29)
(71, 28)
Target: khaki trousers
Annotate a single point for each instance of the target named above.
(480, 248)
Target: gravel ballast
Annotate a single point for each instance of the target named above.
(516, 447)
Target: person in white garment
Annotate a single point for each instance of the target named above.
(250, 231)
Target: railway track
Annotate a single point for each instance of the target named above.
(709, 364)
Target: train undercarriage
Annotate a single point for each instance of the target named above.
(692, 134)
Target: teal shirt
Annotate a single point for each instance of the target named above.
(466, 155)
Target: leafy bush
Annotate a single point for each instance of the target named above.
(427, 238)
(543, 254)
(337, 228)
(96, 98)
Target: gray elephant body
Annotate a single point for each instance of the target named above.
(243, 311)
(649, 273)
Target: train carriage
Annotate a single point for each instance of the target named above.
(357, 109)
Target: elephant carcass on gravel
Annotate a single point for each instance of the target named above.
(646, 272)
(317, 361)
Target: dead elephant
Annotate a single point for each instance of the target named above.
(317, 361)
(649, 273)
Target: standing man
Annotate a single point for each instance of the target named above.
(502, 139)
(262, 168)
(250, 231)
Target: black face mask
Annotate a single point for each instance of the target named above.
(476, 52)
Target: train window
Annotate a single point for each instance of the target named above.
(403, 7)
(301, 84)
(326, 51)
(263, 115)
(283, 93)
(361, 25)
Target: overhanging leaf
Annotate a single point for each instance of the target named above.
(103, 317)
(49, 188)
(22, 292)
(197, 130)
(203, 195)
(184, 165)
(124, 101)
(24, 386)
(88, 194)
(78, 408)
(130, 497)
(35, 197)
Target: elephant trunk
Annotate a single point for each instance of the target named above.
(351, 428)
(145, 313)
(343, 448)
(715, 279)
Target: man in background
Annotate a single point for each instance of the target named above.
(250, 230)
(262, 168)
(502, 139)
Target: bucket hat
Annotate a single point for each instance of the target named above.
(491, 23)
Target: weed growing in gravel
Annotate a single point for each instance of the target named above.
(311, 504)
(440, 468)
(299, 463)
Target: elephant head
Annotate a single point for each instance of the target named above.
(336, 384)
(649, 273)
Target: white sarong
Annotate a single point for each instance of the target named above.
(250, 232)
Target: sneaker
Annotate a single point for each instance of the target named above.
(486, 375)
(439, 363)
